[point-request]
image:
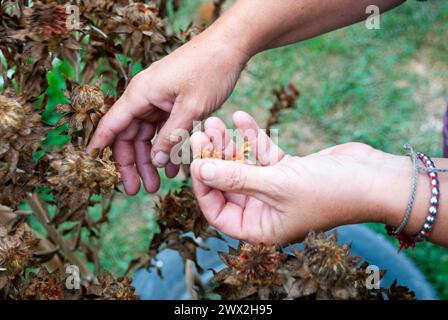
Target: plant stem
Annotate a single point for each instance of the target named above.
(41, 212)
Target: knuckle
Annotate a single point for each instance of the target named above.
(192, 105)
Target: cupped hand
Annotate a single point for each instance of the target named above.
(282, 198)
(186, 85)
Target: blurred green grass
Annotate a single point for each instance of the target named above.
(383, 87)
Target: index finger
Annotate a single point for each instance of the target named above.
(115, 121)
(133, 103)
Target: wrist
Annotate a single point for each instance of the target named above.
(382, 187)
(392, 192)
(235, 30)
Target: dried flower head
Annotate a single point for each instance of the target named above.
(323, 270)
(141, 19)
(18, 121)
(16, 254)
(76, 169)
(95, 7)
(75, 175)
(45, 31)
(251, 270)
(285, 98)
(48, 22)
(42, 285)
(21, 131)
(87, 106)
(178, 214)
(45, 285)
(11, 116)
(110, 288)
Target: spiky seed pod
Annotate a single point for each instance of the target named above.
(75, 169)
(328, 261)
(255, 263)
(85, 98)
(144, 28)
(87, 106)
(142, 15)
(47, 22)
(16, 254)
(21, 131)
(74, 176)
(110, 288)
(18, 122)
(45, 285)
(252, 270)
(98, 7)
(46, 31)
(178, 213)
(323, 270)
(42, 285)
(11, 116)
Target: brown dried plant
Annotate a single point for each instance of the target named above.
(59, 183)
(285, 98)
(322, 270)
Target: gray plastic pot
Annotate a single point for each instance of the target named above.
(372, 247)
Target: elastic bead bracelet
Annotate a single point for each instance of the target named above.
(429, 167)
(433, 202)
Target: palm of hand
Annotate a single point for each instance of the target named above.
(285, 202)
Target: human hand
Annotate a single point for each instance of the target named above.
(186, 85)
(285, 197)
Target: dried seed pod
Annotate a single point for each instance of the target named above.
(96, 7)
(87, 106)
(47, 22)
(75, 175)
(285, 98)
(75, 168)
(19, 124)
(323, 270)
(140, 19)
(16, 254)
(178, 213)
(21, 131)
(45, 285)
(252, 270)
(42, 285)
(110, 288)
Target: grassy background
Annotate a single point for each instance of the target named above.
(383, 87)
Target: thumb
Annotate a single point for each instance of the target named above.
(175, 130)
(235, 177)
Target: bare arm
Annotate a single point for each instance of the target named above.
(197, 78)
(259, 25)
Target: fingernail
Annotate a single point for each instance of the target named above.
(161, 159)
(208, 171)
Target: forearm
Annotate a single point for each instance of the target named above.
(257, 25)
(390, 193)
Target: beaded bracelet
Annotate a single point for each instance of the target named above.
(433, 202)
(409, 241)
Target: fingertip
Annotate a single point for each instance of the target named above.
(214, 123)
(131, 189)
(131, 180)
(240, 117)
(154, 185)
(171, 170)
